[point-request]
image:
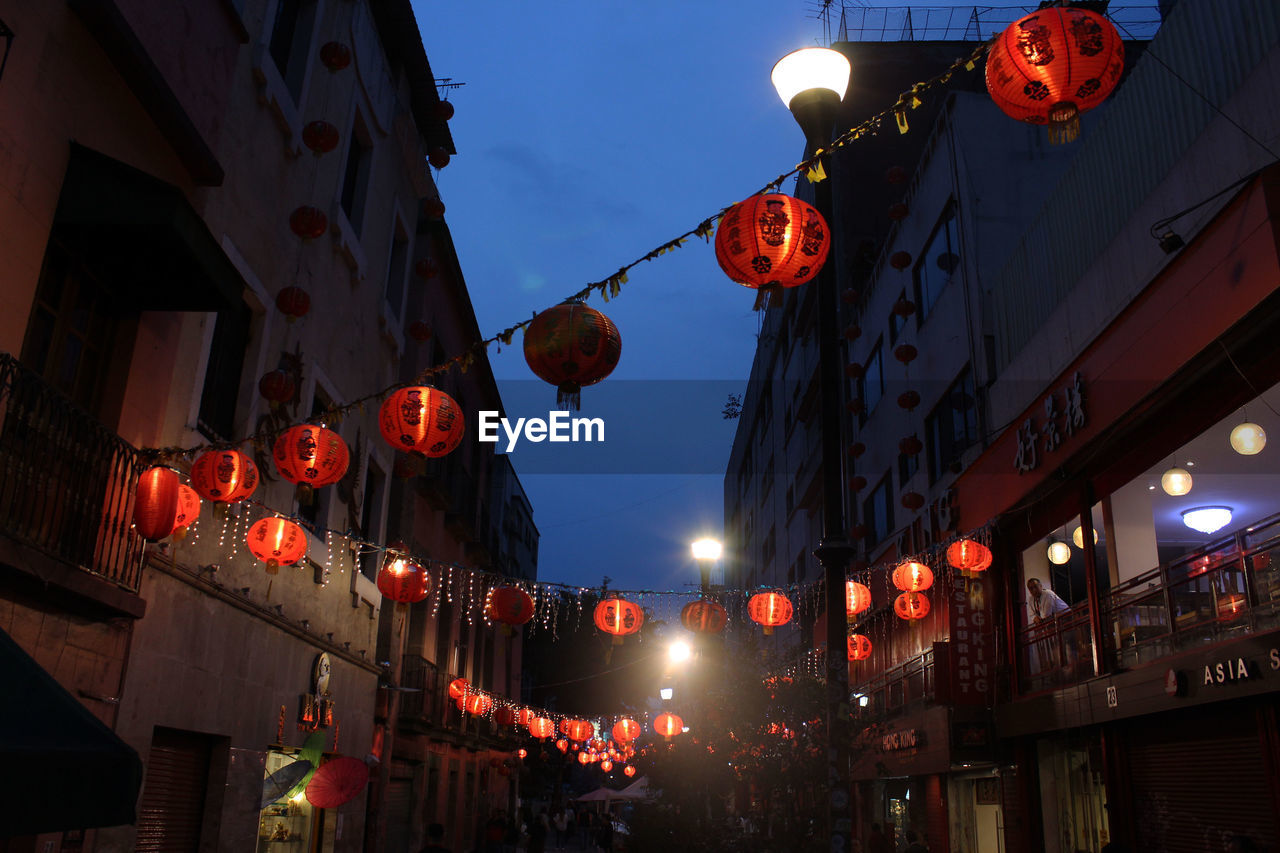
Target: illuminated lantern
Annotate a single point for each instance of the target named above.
(308, 222)
(504, 716)
(188, 506)
(541, 728)
(523, 716)
(478, 704)
(293, 302)
(629, 770)
(606, 765)
(276, 387)
(969, 556)
(769, 609)
(421, 420)
(522, 753)
(579, 730)
(668, 725)
(571, 346)
(335, 55)
(320, 136)
(155, 507)
(911, 606)
(1248, 439)
(859, 647)
(224, 476)
(772, 241)
(277, 542)
(510, 605)
(584, 758)
(438, 157)
(626, 729)
(912, 576)
(459, 688)
(1053, 65)
(704, 617)
(857, 598)
(618, 617)
(405, 581)
(562, 745)
(311, 457)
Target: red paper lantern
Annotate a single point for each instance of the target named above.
(505, 716)
(584, 758)
(859, 647)
(606, 765)
(895, 175)
(477, 704)
(337, 782)
(912, 500)
(276, 387)
(905, 353)
(857, 449)
(405, 581)
(857, 483)
(308, 222)
(293, 302)
(579, 730)
(852, 332)
(857, 598)
(155, 506)
(704, 617)
(224, 476)
(458, 688)
(912, 576)
(571, 346)
(562, 745)
(911, 606)
(188, 506)
(909, 399)
(772, 241)
(619, 617)
(855, 407)
(541, 728)
(629, 770)
(420, 331)
(900, 260)
(438, 157)
(626, 729)
(335, 55)
(422, 420)
(854, 371)
(311, 456)
(668, 725)
(277, 542)
(769, 609)
(522, 753)
(1053, 65)
(898, 211)
(904, 307)
(433, 208)
(969, 556)
(910, 446)
(510, 605)
(443, 110)
(320, 136)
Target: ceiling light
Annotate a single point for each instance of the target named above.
(1248, 439)
(1176, 481)
(1077, 536)
(1059, 553)
(1207, 519)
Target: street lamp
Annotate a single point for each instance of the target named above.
(812, 82)
(706, 552)
(679, 651)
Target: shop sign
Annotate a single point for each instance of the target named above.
(902, 740)
(1229, 670)
(1061, 421)
(315, 709)
(972, 654)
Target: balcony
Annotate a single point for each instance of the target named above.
(66, 481)
(906, 687)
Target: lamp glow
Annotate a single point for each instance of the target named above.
(679, 651)
(1059, 553)
(1077, 536)
(706, 549)
(1248, 439)
(811, 68)
(665, 694)
(1176, 481)
(1207, 519)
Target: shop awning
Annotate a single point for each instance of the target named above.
(60, 766)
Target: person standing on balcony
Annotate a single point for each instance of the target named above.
(1043, 605)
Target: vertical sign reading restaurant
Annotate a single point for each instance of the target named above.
(972, 655)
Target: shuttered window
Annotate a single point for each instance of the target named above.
(172, 808)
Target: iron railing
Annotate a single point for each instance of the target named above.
(66, 481)
(906, 686)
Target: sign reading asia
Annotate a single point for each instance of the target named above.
(972, 653)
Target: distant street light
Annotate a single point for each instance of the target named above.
(665, 694)
(679, 651)
(706, 552)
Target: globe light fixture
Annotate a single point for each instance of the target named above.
(706, 549)
(1176, 481)
(1077, 536)
(1059, 553)
(811, 68)
(1207, 519)
(1248, 439)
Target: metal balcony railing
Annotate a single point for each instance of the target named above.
(66, 481)
(906, 686)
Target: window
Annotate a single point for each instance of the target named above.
(896, 321)
(907, 467)
(355, 176)
(371, 516)
(291, 40)
(766, 479)
(222, 375)
(768, 549)
(877, 511)
(871, 386)
(938, 263)
(952, 426)
(396, 269)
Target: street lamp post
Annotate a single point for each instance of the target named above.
(812, 83)
(706, 552)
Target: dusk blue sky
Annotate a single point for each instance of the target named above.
(588, 133)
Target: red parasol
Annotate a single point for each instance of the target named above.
(338, 781)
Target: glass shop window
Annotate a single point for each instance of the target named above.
(289, 819)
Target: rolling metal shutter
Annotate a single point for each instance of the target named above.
(172, 808)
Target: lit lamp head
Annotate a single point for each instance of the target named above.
(1059, 553)
(706, 549)
(1077, 536)
(1207, 519)
(812, 82)
(665, 694)
(1248, 439)
(1176, 481)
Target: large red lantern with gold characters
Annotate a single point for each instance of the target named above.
(422, 420)
(1052, 65)
(857, 598)
(912, 576)
(311, 457)
(625, 730)
(769, 609)
(509, 605)
(579, 730)
(477, 704)
(404, 581)
(224, 476)
(911, 606)
(772, 241)
(668, 725)
(571, 346)
(155, 506)
(277, 542)
(859, 647)
(704, 617)
(619, 617)
(541, 728)
(969, 556)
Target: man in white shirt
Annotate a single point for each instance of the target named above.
(1043, 603)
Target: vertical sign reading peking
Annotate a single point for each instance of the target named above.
(973, 646)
